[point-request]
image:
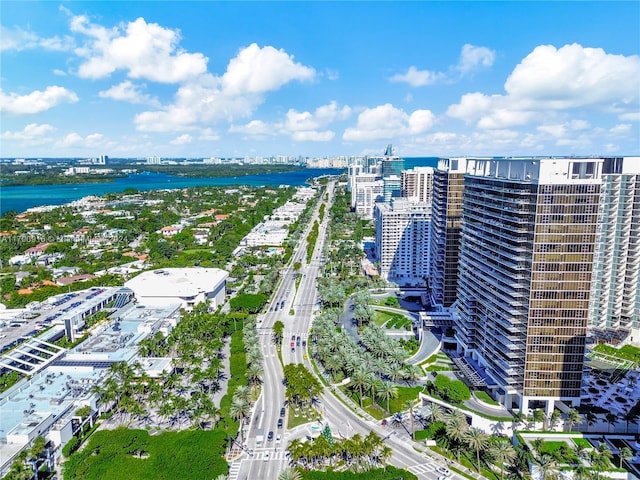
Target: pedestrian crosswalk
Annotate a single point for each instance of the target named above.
(277, 455)
(423, 468)
(234, 470)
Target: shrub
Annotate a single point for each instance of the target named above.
(70, 446)
(454, 391)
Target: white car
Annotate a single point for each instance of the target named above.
(266, 457)
(443, 470)
(278, 438)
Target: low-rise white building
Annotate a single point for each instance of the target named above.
(186, 286)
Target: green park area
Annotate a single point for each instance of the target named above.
(627, 352)
(123, 454)
(387, 473)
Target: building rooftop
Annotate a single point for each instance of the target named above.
(176, 282)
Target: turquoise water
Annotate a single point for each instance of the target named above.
(20, 198)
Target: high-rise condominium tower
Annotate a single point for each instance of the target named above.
(446, 218)
(402, 232)
(615, 300)
(526, 273)
(417, 184)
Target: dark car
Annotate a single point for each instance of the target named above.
(304, 343)
(282, 304)
(279, 423)
(270, 436)
(282, 411)
(298, 341)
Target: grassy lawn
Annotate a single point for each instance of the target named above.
(582, 442)
(560, 450)
(387, 473)
(299, 417)
(485, 397)
(399, 322)
(628, 352)
(124, 454)
(380, 317)
(405, 394)
(376, 411)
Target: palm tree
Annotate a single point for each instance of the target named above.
(625, 454)
(360, 379)
(278, 332)
(289, 474)
(437, 414)
(547, 466)
(611, 418)
(539, 416)
(573, 418)
(554, 418)
(387, 391)
(503, 452)
(456, 426)
(239, 410)
(477, 440)
(536, 445)
(254, 373)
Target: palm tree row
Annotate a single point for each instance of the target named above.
(342, 357)
(456, 436)
(381, 345)
(184, 395)
(356, 453)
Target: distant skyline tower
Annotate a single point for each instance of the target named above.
(417, 184)
(446, 218)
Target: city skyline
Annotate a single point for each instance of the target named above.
(133, 79)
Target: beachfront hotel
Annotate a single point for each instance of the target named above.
(534, 259)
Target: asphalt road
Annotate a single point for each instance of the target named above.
(266, 460)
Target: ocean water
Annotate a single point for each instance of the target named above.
(20, 198)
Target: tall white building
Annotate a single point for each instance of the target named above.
(615, 298)
(368, 189)
(402, 246)
(417, 184)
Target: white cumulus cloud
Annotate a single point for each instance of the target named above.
(418, 78)
(552, 80)
(257, 70)
(386, 121)
(143, 50)
(75, 140)
(36, 101)
(31, 131)
(473, 58)
(575, 76)
(19, 39)
(235, 95)
(183, 139)
(128, 92)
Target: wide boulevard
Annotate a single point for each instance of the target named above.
(264, 459)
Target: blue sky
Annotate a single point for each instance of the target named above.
(220, 79)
